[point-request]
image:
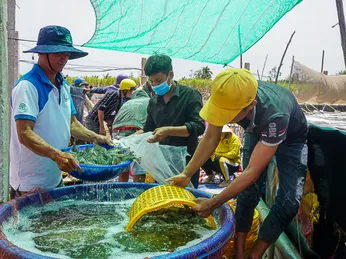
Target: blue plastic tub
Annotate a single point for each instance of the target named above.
(211, 247)
(97, 173)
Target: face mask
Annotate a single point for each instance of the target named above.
(161, 89)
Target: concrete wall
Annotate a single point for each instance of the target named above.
(4, 105)
(12, 45)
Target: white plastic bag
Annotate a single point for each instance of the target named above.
(160, 161)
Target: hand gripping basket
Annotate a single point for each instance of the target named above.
(162, 197)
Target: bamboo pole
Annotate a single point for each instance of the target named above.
(264, 65)
(290, 78)
(342, 26)
(322, 62)
(282, 58)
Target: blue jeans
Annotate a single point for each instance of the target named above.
(291, 163)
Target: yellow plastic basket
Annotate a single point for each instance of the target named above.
(149, 179)
(162, 197)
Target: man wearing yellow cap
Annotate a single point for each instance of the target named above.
(274, 126)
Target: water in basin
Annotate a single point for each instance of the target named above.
(76, 228)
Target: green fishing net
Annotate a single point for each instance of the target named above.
(213, 31)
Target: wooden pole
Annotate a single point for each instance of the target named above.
(240, 48)
(290, 78)
(264, 65)
(342, 26)
(335, 25)
(143, 77)
(322, 63)
(282, 58)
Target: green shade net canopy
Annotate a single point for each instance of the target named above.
(213, 31)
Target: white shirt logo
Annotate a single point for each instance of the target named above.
(22, 107)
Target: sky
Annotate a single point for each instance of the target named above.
(312, 20)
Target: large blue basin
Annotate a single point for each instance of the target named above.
(208, 248)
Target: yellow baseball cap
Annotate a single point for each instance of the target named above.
(231, 91)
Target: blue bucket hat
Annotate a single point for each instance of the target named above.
(56, 39)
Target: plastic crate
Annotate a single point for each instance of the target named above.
(162, 197)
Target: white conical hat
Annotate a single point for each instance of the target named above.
(226, 128)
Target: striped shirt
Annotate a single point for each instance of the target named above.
(109, 104)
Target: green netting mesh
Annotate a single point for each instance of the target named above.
(214, 31)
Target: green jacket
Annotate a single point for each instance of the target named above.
(133, 112)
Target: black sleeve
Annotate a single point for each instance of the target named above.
(275, 132)
(195, 124)
(149, 123)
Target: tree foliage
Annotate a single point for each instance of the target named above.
(203, 73)
(272, 74)
(96, 81)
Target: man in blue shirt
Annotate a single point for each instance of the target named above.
(43, 117)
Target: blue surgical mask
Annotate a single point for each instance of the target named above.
(162, 88)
